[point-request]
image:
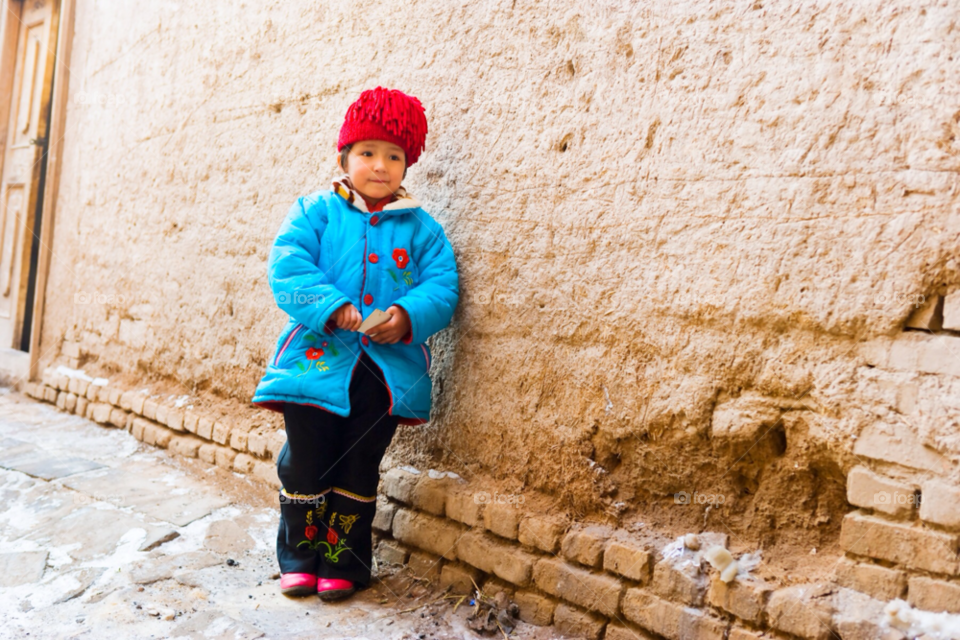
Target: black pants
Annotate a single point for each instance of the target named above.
(329, 469)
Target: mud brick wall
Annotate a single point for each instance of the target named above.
(601, 582)
(904, 539)
(695, 238)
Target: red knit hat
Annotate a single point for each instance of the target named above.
(386, 114)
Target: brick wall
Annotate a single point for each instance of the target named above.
(591, 581)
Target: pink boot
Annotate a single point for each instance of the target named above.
(334, 588)
(298, 584)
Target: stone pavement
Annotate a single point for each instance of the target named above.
(104, 537)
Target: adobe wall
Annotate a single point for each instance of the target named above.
(689, 235)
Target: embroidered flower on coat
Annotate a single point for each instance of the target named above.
(402, 259)
(313, 355)
(310, 532)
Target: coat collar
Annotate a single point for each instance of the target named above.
(344, 188)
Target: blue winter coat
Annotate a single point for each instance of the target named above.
(331, 250)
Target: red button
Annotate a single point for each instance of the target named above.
(373, 258)
(374, 220)
(365, 340)
(368, 299)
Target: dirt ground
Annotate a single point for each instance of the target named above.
(104, 537)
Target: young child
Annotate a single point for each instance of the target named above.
(366, 244)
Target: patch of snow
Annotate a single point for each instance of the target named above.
(439, 475)
(749, 562)
(124, 554)
(73, 373)
(18, 516)
(915, 622)
(54, 589)
(59, 556)
(674, 549)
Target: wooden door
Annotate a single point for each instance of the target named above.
(32, 41)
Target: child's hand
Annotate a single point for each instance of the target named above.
(347, 317)
(393, 329)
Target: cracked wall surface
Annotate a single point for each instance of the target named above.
(684, 231)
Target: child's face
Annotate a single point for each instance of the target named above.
(375, 167)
